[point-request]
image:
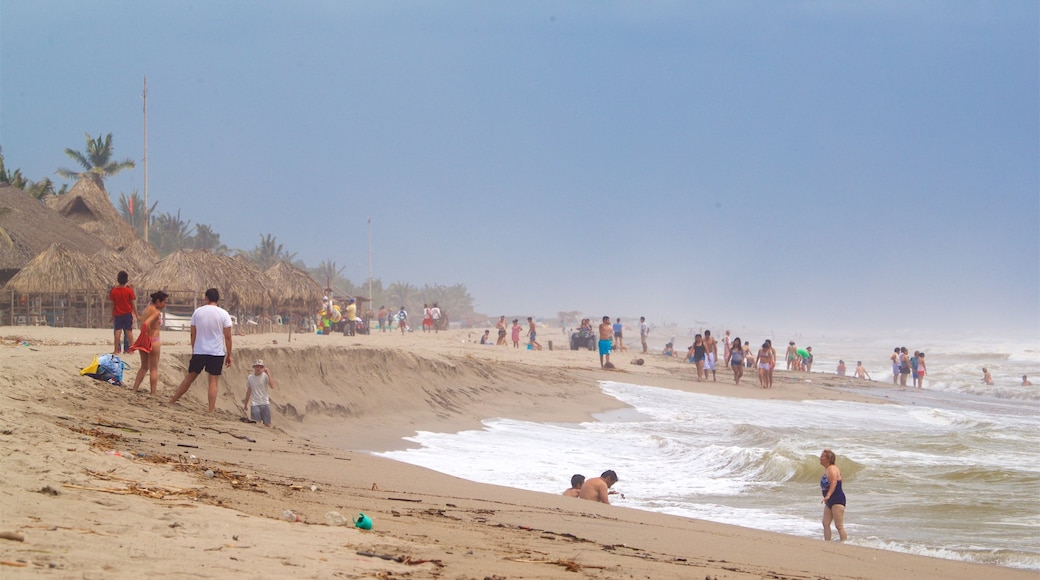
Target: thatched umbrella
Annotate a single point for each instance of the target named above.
(33, 227)
(59, 270)
(292, 288)
(141, 254)
(89, 206)
(196, 270)
(109, 262)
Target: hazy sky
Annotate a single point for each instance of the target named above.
(808, 164)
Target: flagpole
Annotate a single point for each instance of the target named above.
(369, 260)
(145, 209)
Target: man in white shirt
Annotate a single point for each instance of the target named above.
(210, 346)
(436, 312)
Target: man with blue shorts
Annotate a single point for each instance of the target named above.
(606, 341)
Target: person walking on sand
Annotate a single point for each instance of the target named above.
(861, 373)
(148, 343)
(711, 354)
(736, 360)
(124, 311)
(427, 318)
(210, 346)
(764, 358)
(697, 355)
(833, 497)
(895, 366)
(606, 341)
(792, 356)
(501, 327)
(619, 345)
(576, 482)
(727, 345)
(516, 330)
(598, 488)
(644, 331)
(772, 362)
(402, 320)
(532, 334)
(381, 317)
(258, 398)
(435, 312)
(904, 366)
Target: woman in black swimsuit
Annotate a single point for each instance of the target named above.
(833, 496)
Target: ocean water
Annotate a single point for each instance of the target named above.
(949, 471)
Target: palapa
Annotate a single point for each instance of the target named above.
(89, 206)
(141, 254)
(33, 227)
(292, 288)
(195, 271)
(59, 270)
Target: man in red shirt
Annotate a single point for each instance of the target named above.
(124, 311)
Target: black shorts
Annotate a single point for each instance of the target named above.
(212, 364)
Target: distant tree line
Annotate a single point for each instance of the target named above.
(168, 232)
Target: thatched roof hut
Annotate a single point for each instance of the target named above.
(89, 206)
(141, 254)
(196, 270)
(59, 270)
(33, 227)
(292, 288)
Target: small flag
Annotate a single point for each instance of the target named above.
(130, 205)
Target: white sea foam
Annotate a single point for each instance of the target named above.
(907, 469)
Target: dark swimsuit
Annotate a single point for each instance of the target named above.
(838, 497)
(698, 353)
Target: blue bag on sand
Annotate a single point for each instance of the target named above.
(109, 369)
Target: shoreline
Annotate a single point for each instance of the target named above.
(61, 428)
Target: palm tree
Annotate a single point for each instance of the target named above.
(132, 208)
(97, 163)
(169, 233)
(207, 239)
(403, 294)
(269, 252)
(45, 187)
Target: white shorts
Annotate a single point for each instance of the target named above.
(709, 362)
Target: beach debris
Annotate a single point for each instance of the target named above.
(404, 499)
(638, 361)
(209, 473)
(314, 488)
(334, 518)
(48, 490)
(363, 522)
(375, 487)
(290, 516)
(570, 565)
(13, 536)
(399, 559)
(608, 365)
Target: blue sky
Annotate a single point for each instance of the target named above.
(842, 166)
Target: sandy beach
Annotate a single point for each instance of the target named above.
(99, 482)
